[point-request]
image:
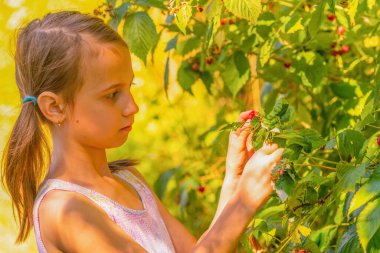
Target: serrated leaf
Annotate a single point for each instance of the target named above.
(140, 34)
(350, 142)
(341, 17)
(348, 176)
(349, 242)
(368, 222)
(183, 16)
(119, 13)
(312, 136)
(368, 191)
(235, 77)
(247, 9)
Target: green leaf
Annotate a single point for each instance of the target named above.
(350, 142)
(368, 191)
(186, 46)
(166, 76)
(352, 9)
(237, 72)
(183, 16)
(292, 24)
(349, 242)
(140, 34)
(341, 17)
(119, 14)
(152, 3)
(266, 51)
(348, 176)
(310, 68)
(187, 77)
(368, 222)
(343, 90)
(316, 18)
(313, 137)
(207, 80)
(162, 181)
(172, 43)
(247, 9)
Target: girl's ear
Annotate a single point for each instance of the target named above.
(51, 106)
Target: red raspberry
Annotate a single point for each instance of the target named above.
(287, 65)
(209, 60)
(341, 30)
(251, 115)
(200, 9)
(231, 22)
(345, 49)
(195, 66)
(201, 189)
(280, 172)
(331, 17)
(378, 140)
(302, 251)
(223, 21)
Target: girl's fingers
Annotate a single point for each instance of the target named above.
(249, 146)
(244, 116)
(269, 148)
(276, 155)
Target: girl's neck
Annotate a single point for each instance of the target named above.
(77, 163)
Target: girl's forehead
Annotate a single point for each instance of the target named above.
(108, 63)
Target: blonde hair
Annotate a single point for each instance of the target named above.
(49, 54)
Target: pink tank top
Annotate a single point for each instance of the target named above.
(145, 226)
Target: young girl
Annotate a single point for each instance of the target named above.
(74, 75)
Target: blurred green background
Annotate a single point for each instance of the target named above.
(164, 136)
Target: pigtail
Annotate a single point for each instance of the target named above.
(23, 162)
(122, 164)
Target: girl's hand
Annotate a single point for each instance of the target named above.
(239, 149)
(255, 184)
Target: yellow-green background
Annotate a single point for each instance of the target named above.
(164, 130)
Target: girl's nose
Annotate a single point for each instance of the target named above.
(131, 107)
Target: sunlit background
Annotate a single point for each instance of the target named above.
(165, 129)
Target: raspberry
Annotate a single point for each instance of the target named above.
(231, 22)
(251, 115)
(209, 60)
(341, 30)
(378, 140)
(345, 49)
(223, 21)
(195, 67)
(287, 65)
(200, 9)
(201, 189)
(331, 17)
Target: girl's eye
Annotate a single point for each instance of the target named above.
(112, 95)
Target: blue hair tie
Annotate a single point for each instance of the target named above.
(30, 98)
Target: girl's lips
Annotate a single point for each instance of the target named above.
(127, 128)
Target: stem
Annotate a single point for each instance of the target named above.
(316, 165)
(323, 160)
(374, 126)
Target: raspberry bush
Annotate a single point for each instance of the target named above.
(313, 69)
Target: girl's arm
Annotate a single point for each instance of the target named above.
(252, 191)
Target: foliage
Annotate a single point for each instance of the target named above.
(320, 64)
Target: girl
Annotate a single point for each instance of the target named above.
(74, 75)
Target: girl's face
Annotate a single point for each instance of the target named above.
(104, 106)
